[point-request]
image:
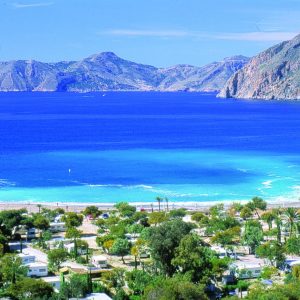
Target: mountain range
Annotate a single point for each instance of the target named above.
(108, 72)
(272, 74)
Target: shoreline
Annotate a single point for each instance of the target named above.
(191, 206)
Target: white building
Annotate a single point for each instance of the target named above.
(57, 227)
(80, 250)
(31, 233)
(97, 296)
(99, 261)
(26, 258)
(247, 267)
(54, 281)
(37, 269)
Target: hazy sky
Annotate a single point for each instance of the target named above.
(157, 32)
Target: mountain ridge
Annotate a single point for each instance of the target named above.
(272, 74)
(106, 71)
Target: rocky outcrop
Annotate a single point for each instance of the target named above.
(106, 71)
(273, 74)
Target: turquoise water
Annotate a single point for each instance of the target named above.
(194, 175)
(137, 146)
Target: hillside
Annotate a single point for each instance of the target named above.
(273, 74)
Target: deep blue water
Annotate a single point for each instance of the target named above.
(136, 146)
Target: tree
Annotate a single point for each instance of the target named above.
(138, 280)
(272, 251)
(56, 257)
(4, 247)
(120, 247)
(31, 289)
(269, 217)
(76, 287)
(278, 292)
(177, 213)
(268, 272)
(41, 223)
(253, 234)
(291, 215)
(157, 217)
(198, 216)
(75, 234)
(292, 245)
(227, 237)
(163, 241)
(12, 268)
(176, 288)
(72, 219)
(159, 200)
(256, 204)
(10, 219)
(191, 256)
(134, 251)
(125, 209)
(216, 210)
(246, 213)
(92, 211)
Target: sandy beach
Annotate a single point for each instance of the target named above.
(192, 206)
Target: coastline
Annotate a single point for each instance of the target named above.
(191, 206)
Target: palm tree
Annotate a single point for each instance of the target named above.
(278, 221)
(269, 217)
(159, 200)
(291, 216)
(167, 202)
(39, 207)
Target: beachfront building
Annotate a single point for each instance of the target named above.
(37, 269)
(99, 261)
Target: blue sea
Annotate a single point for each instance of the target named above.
(134, 146)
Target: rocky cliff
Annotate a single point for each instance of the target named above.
(273, 74)
(106, 71)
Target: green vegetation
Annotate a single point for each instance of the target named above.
(176, 254)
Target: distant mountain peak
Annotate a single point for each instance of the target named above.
(103, 56)
(107, 71)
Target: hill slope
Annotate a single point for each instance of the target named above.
(273, 74)
(106, 71)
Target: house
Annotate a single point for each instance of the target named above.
(37, 269)
(57, 227)
(54, 281)
(80, 250)
(246, 271)
(26, 258)
(99, 261)
(247, 267)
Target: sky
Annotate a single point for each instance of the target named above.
(156, 32)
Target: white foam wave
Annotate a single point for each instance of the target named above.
(267, 184)
(6, 183)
